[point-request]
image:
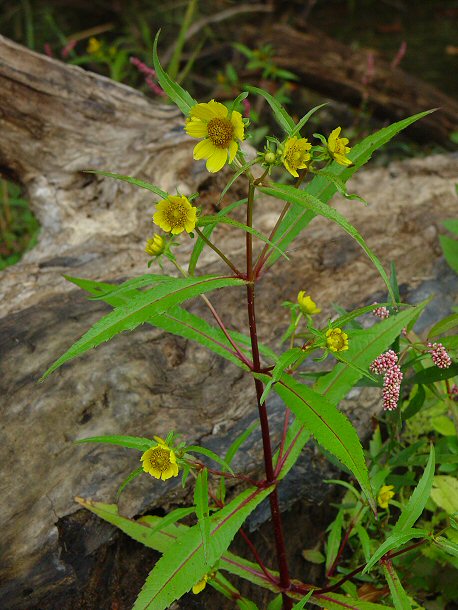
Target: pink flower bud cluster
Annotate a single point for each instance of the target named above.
(454, 392)
(381, 312)
(439, 355)
(149, 75)
(387, 363)
(384, 362)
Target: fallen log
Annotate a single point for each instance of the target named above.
(334, 69)
(56, 121)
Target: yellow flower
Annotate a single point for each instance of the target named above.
(295, 154)
(160, 461)
(306, 304)
(201, 584)
(175, 214)
(221, 133)
(155, 246)
(338, 148)
(336, 340)
(93, 46)
(385, 495)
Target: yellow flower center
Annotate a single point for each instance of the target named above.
(293, 155)
(160, 459)
(220, 132)
(176, 215)
(340, 148)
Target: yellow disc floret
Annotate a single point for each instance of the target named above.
(336, 340)
(160, 461)
(337, 147)
(221, 133)
(295, 154)
(175, 214)
(306, 304)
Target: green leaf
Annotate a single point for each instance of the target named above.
(133, 475)
(157, 526)
(335, 601)
(444, 325)
(139, 309)
(340, 185)
(334, 539)
(313, 556)
(285, 360)
(305, 118)
(276, 603)
(176, 93)
(183, 563)
(207, 231)
(233, 105)
(211, 220)
(132, 442)
(434, 373)
(282, 117)
(141, 183)
(450, 547)
(394, 541)
(330, 427)
(203, 513)
(445, 493)
(297, 437)
(418, 499)
(231, 452)
(400, 598)
(297, 218)
(364, 347)
(415, 403)
(301, 605)
(450, 248)
(452, 223)
(210, 454)
(233, 178)
(308, 201)
(365, 541)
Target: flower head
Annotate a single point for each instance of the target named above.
(175, 214)
(336, 340)
(306, 304)
(391, 388)
(384, 496)
(94, 46)
(160, 461)
(439, 355)
(295, 154)
(221, 133)
(337, 147)
(156, 245)
(384, 362)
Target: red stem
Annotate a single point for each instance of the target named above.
(263, 417)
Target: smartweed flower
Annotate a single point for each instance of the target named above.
(384, 496)
(336, 340)
(160, 461)
(337, 147)
(306, 304)
(221, 133)
(391, 388)
(295, 154)
(439, 355)
(175, 215)
(156, 245)
(381, 312)
(384, 362)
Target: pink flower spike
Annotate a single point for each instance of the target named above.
(68, 48)
(439, 355)
(48, 49)
(384, 362)
(247, 108)
(391, 388)
(154, 87)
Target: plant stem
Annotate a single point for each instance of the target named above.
(262, 410)
(218, 252)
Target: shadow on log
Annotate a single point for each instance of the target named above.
(56, 121)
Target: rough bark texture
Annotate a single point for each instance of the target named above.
(335, 69)
(56, 121)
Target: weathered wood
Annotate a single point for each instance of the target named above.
(335, 69)
(57, 120)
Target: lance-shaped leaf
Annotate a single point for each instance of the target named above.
(135, 181)
(291, 194)
(132, 442)
(203, 513)
(183, 564)
(336, 601)
(282, 117)
(394, 541)
(140, 308)
(305, 118)
(298, 218)
(178, 321)
(331, 428)
(176, 93)
(400, 598)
